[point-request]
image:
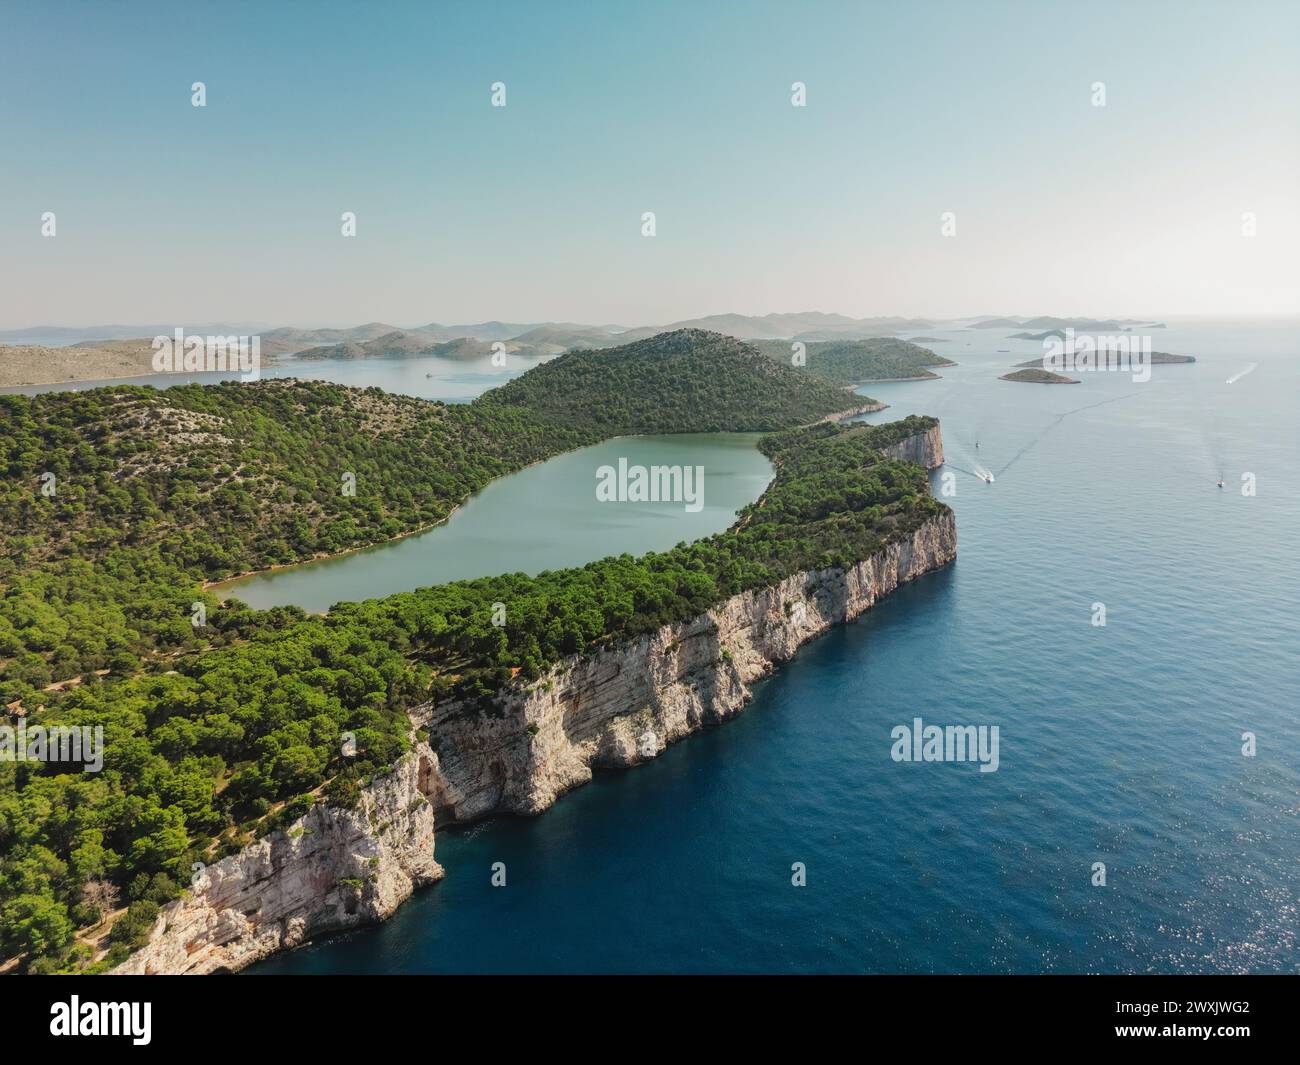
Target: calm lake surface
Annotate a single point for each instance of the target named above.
(543, 517)
(1119, 744)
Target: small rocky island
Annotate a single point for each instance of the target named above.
(1039, 376)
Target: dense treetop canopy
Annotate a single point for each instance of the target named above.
(689, 380)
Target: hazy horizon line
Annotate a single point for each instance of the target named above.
(446, 322)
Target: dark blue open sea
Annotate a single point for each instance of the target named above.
(1119, 744)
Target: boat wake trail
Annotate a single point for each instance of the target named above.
(1210, 401)
(962, 469)
(1047, 429)
(955, 446)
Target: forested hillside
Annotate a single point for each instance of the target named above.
(853, 362)
(717, 383)
(218, 732)
(151, 492)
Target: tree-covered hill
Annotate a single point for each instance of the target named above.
(403, 345)
(117, 503)
(235, 476)
(853, 362)
(207, 750)
(685, 381)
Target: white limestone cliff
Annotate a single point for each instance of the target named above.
(622, 707)
(925, 449)
(332, 869)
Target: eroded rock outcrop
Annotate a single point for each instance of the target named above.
(925, 449)
(334, 868)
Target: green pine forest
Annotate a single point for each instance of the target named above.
(119, 504)
(854, 362)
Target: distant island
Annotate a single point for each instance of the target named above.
(997, 323)
(1094, 324)
(1099, 327)
(1047, 325)
(1037, 336)
(37, 355)
(1155, 358)
(854, 362)
(1038, 377)
(403, 345)
(36, 364)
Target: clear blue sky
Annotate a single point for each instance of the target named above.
(532, 212)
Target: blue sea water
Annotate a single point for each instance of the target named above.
(1119, 744)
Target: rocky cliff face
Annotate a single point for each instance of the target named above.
(332, 869)
(337, 868)
(852, 412)
(925, 449)
(623, 707)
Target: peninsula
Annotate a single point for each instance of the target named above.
(272, 747)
